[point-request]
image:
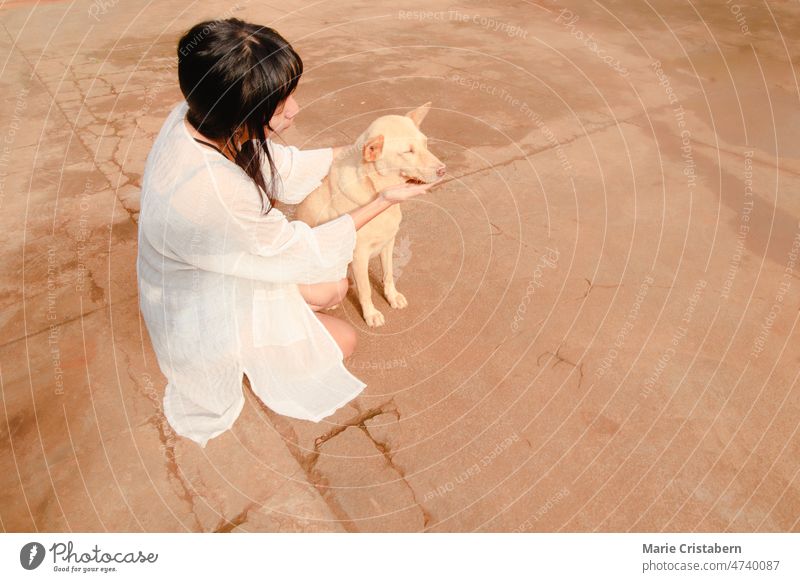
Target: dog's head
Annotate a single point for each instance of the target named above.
(396, 146)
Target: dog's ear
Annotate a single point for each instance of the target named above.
(373, 148)
(419, 113)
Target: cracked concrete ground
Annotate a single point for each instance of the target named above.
(601, 333)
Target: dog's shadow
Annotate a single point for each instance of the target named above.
(375, 274)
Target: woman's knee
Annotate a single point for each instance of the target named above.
(340, 291)
(349, 339)
(335, 293)
(323, 295)
(345, 335)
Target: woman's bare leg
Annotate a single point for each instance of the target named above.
(324, 295)
(344, 333)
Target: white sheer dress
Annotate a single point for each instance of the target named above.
(218, 285)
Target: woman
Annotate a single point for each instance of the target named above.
(228, 286)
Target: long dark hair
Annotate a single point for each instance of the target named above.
(234, 75)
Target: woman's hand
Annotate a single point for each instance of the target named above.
(405, 191)
(386, 199)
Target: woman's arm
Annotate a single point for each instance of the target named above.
(301, 171)
(386, 198)
(229, 234)
(389, 197)
(363, 214)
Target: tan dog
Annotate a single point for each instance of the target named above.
(391, 151)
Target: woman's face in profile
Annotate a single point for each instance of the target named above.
(284, 115)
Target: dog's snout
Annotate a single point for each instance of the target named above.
(441, 170)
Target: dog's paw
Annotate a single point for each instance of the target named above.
(398, 301)
(374, 318)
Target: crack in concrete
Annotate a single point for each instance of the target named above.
(308, 462)
(186, 492)
(772, 165)
(562, 360)
(228, 525)
(501, 232)
(69, 320)
(595, 285)
(386, 451)
(535, 151)
(96, 292)
(74, 128)
(357, 421)
(167, 438)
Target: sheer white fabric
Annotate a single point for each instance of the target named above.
(218, 285)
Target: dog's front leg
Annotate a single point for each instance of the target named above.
(393, 296)
(372, 316)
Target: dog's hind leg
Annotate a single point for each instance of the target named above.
(393, 296)
(360, 265)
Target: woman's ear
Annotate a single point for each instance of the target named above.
(240, 135)
(418, 114)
